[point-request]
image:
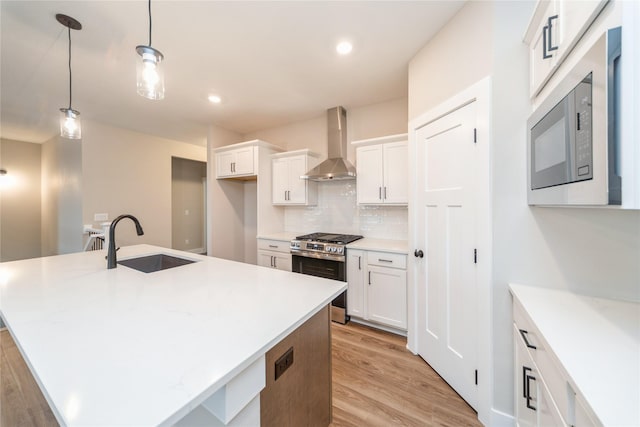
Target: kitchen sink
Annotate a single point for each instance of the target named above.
(156, 262)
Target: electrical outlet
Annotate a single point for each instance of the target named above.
(101, 217)
(186, 211)
(284, 362)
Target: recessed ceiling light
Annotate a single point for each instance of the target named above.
(215, 99)
(344, 48)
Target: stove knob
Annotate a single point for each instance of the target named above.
(340, 250)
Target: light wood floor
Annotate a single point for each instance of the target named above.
(376, 382)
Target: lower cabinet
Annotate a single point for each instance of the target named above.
(534, 405)
(377, 287)
(274, 254)
(543, 393)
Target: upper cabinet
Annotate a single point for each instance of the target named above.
(241, 160)
(382, 170)
(287, 187)
(554, 29)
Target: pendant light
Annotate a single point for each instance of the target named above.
(150, 75)
(69, 118)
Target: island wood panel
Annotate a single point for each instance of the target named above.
(21, 401)
(302, 394)
(378, 382)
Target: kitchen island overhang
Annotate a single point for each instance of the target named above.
(120, 346)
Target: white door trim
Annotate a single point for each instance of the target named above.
(480, 93)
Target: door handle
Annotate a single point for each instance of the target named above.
(418, 253)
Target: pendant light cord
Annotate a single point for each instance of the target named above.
(69, 30)
(149, 23)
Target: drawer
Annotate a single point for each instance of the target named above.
(274, 245)
(386, 259)
(554, 377)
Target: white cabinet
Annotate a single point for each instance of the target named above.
(382, 170)
(287, 187)
(534, 405)
(355, 280)
(377, 287)
(554, 29)
(235, 163)
(274, 254)
(543, 394)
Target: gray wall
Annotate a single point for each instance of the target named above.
(188, 204)
(61, 196)
(20, 204)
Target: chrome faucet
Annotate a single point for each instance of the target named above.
(111, 253)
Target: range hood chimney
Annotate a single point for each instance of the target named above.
(336, 167)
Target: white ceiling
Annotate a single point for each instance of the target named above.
(272, 62)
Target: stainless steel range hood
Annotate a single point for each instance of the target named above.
(336, 167)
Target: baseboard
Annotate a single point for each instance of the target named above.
(196, 250)
(498, 419)
(377, 326)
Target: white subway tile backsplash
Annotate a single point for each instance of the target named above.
(338, 212)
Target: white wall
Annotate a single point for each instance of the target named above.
(589, 251)
(130, 172)
(62, 196)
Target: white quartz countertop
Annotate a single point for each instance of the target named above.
(121, 347)
(598, 343)
(285, 236)
(383, 245)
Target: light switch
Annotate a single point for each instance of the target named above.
(101, 217)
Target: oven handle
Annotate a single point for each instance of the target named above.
(317, 255)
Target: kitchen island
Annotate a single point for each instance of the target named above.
(122, 347)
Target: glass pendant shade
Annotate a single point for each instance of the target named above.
(70, 124)
(150, 73)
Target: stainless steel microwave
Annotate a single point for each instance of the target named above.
(572, 143)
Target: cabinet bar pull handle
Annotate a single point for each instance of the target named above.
(273, 246)
(359, 263)
(526, 341)
(271, 258)
(384, 260)
(385, 193)
(524, 380)
(275, 262)
(550, 46)
(529, 398)
(545, 55)
(380, 193)
(369, 277)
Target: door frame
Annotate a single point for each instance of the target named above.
(480, 93)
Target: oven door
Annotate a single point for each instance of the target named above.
(329, 269)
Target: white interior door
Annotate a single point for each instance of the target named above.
(446, 231)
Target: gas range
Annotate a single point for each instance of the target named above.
(322, 245)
